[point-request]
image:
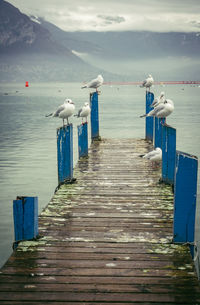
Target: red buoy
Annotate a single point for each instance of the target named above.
(26, 84)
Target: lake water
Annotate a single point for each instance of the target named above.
(28, 139)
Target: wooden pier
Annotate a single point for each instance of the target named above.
(105, 239)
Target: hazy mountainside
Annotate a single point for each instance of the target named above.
(144, 44)
(28, 51)
(134, 54)
(36, 50)
(72, 40)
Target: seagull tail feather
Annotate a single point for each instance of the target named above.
(47, 115)
(84, 87)
(143, 116)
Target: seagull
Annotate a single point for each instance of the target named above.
(159, 99)
(95, 83)
(154, 155)
(84, 112)
(162, 110)
(148, 82)
(64, 111)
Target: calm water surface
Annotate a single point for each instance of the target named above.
(28, 140)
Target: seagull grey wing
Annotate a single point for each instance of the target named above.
(143, 83)
(158, 108)
(58, 111)
(93, 84)
(79, 113)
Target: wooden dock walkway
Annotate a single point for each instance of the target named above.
(106, 239)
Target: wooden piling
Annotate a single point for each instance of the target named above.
(157, 132)
(168, 153)
(94, 116)
(25, 215)
(185, 193)
(65, 153)
(149, 122)
(83, 140)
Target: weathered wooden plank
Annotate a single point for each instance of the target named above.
(109, 271)
(125, 280)
(96, 296)
(93, 288)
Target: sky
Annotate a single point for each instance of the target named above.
(112, 15)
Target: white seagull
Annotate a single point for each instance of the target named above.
(95, 83)
(148, 82)
(154, 155)
(84, 112)
(64, 111)
(159, 99)
(162, 110)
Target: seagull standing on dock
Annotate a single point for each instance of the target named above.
(162, 110)
(64, 111)
(148, 82)
(84, 112)
(95, 83)
(154, 155)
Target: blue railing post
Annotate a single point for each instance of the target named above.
(25, 214)
(94, 116)
(65, 153)
(185, 192)
(168, 153)
(157, 132)
(149, 120)
(83, 140)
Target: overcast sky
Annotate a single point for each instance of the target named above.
(111, 15)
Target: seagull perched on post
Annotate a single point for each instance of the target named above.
(162, 110)
(95, 83)
(148, 82)
(158, 100)
(84, 112)
(64, 111)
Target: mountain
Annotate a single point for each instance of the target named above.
(28, 51)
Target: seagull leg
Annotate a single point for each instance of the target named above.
(163, 122)
(63, 122)
(67, 121)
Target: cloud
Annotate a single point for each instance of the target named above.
(112, 15)
(111, 19)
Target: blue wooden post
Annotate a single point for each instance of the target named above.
(83, 140)
(168, 153)
(185, 197)
(157, 133)
(65, 153)
(25, 214)
(149, 120)
(94, 116)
